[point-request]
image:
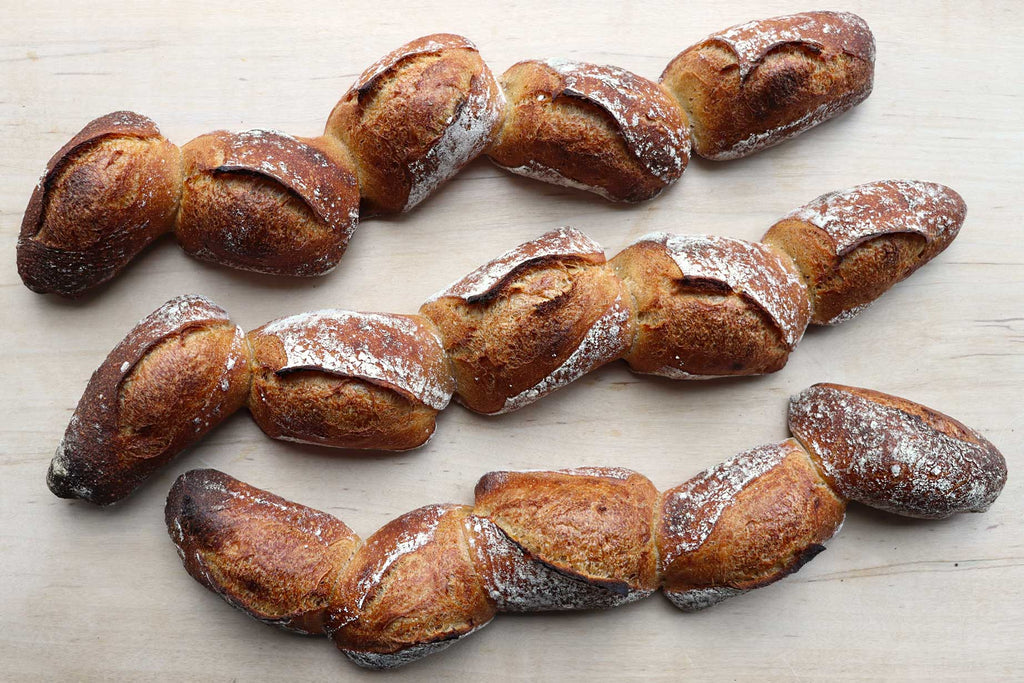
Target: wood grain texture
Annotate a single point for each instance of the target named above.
(98, 594)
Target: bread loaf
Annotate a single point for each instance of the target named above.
(105, 195)
(592, 127)
(547, 540)
(756, 84)
(177, 374)
(542, 315)
(265, 201)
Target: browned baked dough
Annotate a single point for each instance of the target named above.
(754, 85)
(105, 195)
(416, 117)
(549, 540)
(852, 245)
(593, 127)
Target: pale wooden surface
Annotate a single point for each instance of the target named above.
(91, 594)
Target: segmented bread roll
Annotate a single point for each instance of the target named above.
(542, 315)
(416, 117)
(894, 454)
(547, 540)
(853, 245)
(711, 306)
(532, 320)
(178, 373)
(592, 127)
(756, 84)
(349, 380)
(265, 201)
(106, 194)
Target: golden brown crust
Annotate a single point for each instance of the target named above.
(276, 560)
(743, 524)
(412, 584)
(105, 195)
(349, 380)
(593, 524)
(853, 245)
(265, 201)
(756, 84)
(531, 321)
(598, 128)
(736, 309)
(175, 376)
(415, 117)
(894, 454)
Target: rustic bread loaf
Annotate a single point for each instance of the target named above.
(756, 84)
(546, 540)
(265, 201)
(105, 195)
(532, 320)
(552, 309)
(177, 374)
(852, 245)
(349, 380)
(894, 454)
(711, 306)
(416, 117)
(592, 127)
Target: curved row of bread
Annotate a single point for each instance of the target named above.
(530, 321)
(266, 201)
(590, 537)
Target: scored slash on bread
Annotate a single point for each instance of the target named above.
(268, 202)
(584, 538)
(514, 330)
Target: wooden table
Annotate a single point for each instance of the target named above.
(99, 593)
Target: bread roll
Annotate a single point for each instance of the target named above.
(570, 539)
(265, 201)
(275, 560)
(349, 380)
(416, 117)
(410, 591)
(759, 83)
(894, 454)
(592, 127)
(531, 321)
(853, 245)
(709, 306)
(743, 524)
(177, 374)
(105, 195)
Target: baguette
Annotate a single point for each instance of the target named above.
(525, 324)
(572, 539)
(268, 202)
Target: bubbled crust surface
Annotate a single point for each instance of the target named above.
(265, 201)
(598, 128)
(705, 322)
(594, 524)
(415, 117)
(852, 245)
(894, 454)
(747, 522)
(106, 194)
(756, 84)
(350, 380)
(276, 560)
(176, 375)
(531, 321)
(413, 583)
